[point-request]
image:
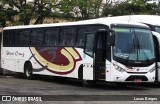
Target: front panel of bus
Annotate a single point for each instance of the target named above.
(133, 54)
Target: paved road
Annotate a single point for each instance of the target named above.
(72, 90)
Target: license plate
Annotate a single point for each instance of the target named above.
(137, 81)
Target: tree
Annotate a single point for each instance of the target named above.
(153, 8)
(108, 8)
(20, 12)
(96, 6)
(75, 8)
(6, 13)
(66, 8)
(131, 7)
(19, 8)
(136, 6)
(44, 8)
(81, 9)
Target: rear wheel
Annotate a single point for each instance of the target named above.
(86, 83)
(28, 71)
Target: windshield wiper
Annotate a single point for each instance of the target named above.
(139, 48)
(130, 50)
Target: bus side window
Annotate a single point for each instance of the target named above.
(14, 38)
(6, 38)
(37, 37)
(24, 38)
(51, 37)
(81, 37)
(68, 36)
(82, 33)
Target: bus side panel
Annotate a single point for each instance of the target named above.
(13, 58)
(158, 70)
(87, 67)
(73, 73)
(108, 71)
(57, 61)
(8, 64)
(88, 71)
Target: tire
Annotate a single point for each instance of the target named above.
(86, 83)
(28, 71)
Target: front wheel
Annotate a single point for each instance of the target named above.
(28, 71)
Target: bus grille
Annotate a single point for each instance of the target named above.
(132, 78)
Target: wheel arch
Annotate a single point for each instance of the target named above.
(80, 71)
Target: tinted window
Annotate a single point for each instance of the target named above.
(14, 36)
(82, 33)
(68, 36)
(24, 37)
(37, 37)
(52, 37)
(89, 44)
(6, 38)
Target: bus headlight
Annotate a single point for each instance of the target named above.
(153, 69)
(118, 68)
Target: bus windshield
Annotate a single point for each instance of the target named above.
(133, 45)
(157, 29)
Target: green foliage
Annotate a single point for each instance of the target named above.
(6, 14)
(131, 7)
(19, 12)
(81, 9)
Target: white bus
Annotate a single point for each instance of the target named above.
(91, 50)
(153, 21)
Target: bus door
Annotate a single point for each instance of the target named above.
(100, 55)
(96, 47)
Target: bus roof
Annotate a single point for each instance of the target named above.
(147, 19)
(105, 21)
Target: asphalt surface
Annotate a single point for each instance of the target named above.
(71, 91)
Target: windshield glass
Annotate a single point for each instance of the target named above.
(133, 44)
(157, 29)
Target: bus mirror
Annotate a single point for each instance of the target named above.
(112, 38)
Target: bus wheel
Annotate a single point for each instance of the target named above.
(86, 83)
(28, 71)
